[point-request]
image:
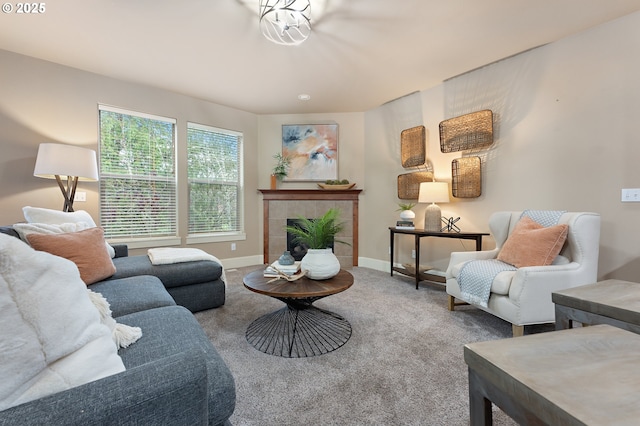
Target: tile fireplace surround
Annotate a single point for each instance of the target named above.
(282, 204)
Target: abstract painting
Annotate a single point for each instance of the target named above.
(313, 151)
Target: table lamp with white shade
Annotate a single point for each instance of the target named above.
(433, 192)
(74, 163)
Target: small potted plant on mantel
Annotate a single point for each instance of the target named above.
(317, 234)
(280, 170)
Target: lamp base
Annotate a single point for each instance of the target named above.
(433, 218)
(69, 192)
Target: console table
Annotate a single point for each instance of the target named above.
(420, 233)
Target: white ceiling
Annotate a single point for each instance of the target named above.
(361, 53)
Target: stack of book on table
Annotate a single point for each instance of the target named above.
(272, 270)
(405, 224)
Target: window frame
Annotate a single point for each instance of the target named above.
(148, 240)
(219, 236)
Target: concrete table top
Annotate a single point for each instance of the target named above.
(611, 298)
(570, 377)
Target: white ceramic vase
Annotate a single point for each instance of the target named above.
(320, 264)
(407, 215)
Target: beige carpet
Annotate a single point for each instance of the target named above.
(403, 365)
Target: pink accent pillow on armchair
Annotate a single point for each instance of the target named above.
(531, 244)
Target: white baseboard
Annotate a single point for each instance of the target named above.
(239, 262)
(377, 264)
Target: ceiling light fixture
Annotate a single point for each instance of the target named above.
(285, 22)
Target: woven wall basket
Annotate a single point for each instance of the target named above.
(467, 132)
(466, 175)
(409, 184)
(413, 146)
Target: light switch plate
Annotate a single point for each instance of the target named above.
(80, 196)
(631, 195)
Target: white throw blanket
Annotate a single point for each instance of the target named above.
(168, 255)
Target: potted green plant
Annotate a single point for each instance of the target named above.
(281, 169)
(405, 211)
(317, 235)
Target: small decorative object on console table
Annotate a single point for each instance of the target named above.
(405, 224)
(450, 224)
(319, 234)
(406, 214)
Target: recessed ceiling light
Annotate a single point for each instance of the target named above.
(304, 97)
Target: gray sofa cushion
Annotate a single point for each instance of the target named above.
(169, 390)
(172, 275)
(9, 231)
(198, 297)
(172, 330)
(133, 294)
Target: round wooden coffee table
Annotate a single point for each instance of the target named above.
(299, 329)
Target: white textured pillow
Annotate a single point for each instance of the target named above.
(55, 217)
(42, 216)
(50, 332)
(24, 229)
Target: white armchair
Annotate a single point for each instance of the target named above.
(523, 297)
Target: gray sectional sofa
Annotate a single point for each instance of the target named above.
(174, 375)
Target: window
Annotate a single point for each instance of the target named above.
(137, 175)
(215, 180)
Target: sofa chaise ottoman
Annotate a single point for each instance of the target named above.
(196, 285)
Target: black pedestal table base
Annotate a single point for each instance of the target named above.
(298, 330)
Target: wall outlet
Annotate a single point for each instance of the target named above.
(233, 246)
(631, 195)
(80, 196)
(413, 254)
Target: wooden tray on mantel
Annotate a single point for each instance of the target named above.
(334, 187)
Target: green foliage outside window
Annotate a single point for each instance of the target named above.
(137, 176)
(214, 169)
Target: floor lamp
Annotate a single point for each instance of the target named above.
(433, 192)
(73, 163)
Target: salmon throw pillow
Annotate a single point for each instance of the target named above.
(531, 244)
(84, 248)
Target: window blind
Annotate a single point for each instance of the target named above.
(215, 180)
(137, 174)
